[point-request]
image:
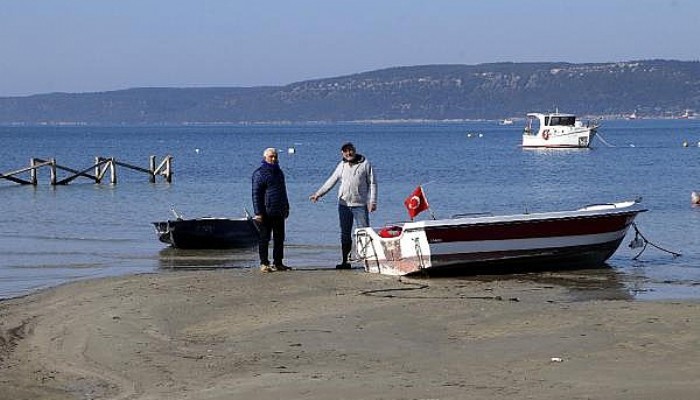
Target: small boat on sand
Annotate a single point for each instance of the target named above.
(557, 130)
(208, 233)
(469, 244)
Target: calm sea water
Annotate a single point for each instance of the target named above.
(50, 235)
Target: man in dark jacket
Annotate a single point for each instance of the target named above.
(271, 208)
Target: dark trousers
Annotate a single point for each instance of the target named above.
(271, 226)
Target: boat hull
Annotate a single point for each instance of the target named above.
(557, 240)
(559, 258)
(208, 233)
(576, 139)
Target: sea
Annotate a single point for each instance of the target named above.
(50, 235)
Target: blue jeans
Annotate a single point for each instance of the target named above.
(347, 215)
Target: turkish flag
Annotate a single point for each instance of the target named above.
(416, 203)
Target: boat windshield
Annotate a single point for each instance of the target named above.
(532, 125)
(562, 121)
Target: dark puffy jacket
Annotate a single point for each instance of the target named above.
(270, 191)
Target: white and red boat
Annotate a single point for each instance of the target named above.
(581, 238)
(557, 130)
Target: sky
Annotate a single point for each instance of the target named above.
(80, 46)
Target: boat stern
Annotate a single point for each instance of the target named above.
(392, 250)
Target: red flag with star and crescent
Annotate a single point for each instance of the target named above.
(416, 203)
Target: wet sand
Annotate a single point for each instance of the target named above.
(326, 334)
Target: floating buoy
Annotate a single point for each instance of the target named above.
(695, 197)
(685, 144)
(291, 150)
(196, 150)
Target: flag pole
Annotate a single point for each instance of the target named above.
(425, 195)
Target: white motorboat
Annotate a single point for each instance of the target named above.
(581, 238)
(557, 130)
(506, 121)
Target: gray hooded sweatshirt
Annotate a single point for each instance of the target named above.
(358, 186)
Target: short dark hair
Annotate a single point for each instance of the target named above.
(347, 147)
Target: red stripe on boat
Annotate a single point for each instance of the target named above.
(529, 229)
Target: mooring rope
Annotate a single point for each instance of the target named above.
(599, 136)
(388, 293)
(641, 241)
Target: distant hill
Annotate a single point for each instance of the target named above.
(652, 88)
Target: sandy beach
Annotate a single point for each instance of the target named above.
(326, 334)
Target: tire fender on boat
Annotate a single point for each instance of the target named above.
(545, 134)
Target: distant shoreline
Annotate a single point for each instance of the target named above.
(311, 123)
(423, 93)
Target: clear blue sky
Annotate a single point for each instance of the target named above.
(99, 45)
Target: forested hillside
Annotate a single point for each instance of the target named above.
(652, 88)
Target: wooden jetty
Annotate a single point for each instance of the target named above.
(100, 168)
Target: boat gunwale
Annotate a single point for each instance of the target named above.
(518, 218)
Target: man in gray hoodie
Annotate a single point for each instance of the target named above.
(357, 195)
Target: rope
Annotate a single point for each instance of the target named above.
(376, 292)
(599, 136)
(641, 241)
(386, 293)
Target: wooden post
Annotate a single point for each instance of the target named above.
(168, 170)
(113, 171)
(97, 170)
(53, 171)
(32, 172)
(152, 168)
